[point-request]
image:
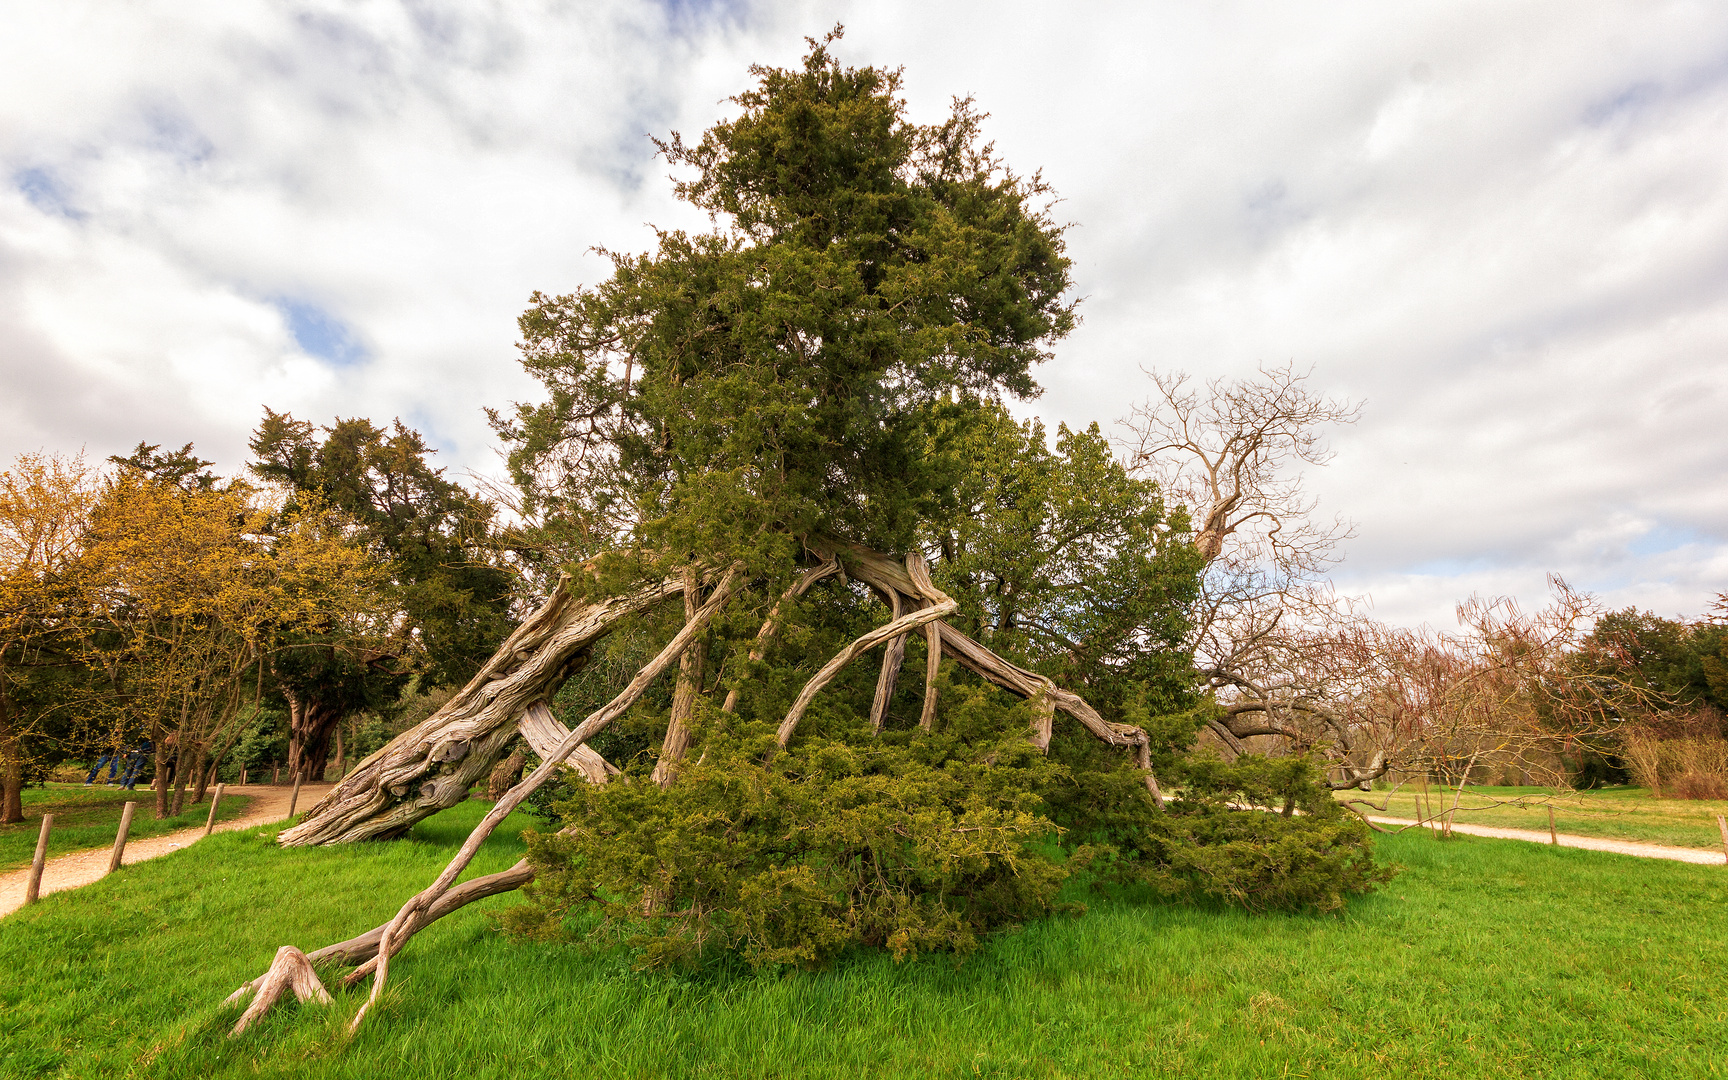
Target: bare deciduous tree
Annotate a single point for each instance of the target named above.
(1282, 654)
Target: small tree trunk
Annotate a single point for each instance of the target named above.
(11, 778)
(341, 753)
(164, 754)
(311, 724)
(505, 775)
(206, 768)
(684, 693)
(185, 761)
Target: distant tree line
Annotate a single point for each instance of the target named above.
(147, 604)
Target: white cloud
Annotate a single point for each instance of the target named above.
(1504, 225)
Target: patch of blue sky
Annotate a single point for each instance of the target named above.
(321, 334)
(46, 193)
(1271, 211)
(1623, 102)
(700, 11)
(169, 131)
(430, 429)
(1665, 538)
(1626, 102)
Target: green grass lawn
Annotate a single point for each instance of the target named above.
(88, 817)
(1484, 958)
(1612, 813)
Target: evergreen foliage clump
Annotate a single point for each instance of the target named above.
(1264, 834)
(908, 842)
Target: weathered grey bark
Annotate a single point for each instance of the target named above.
(291, 970)
(431, 766)
(684, 693)
(545, 734)
(932, 669)
(358, 950)
(892, 657)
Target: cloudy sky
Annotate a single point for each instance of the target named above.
(1503, 225)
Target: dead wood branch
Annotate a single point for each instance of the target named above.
(431, 766)
(544, 733)
(359, 950)
(684, 693)
(941, 605)
(892, 657)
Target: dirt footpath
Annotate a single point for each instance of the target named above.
(269, 806)
(1702, 856)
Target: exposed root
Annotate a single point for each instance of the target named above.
(291, 970)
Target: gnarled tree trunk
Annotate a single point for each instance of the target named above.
(431, 766)
(311, 725)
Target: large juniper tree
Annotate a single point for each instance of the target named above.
(768, 451)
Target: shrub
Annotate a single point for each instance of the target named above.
(917, 841)
(1693, 766)
(1264, 834)
(786, 858)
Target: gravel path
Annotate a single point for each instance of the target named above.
(269, 805)
(1703, 856)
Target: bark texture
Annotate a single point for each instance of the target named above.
(505, 774)
(684, 693)
(11, 770)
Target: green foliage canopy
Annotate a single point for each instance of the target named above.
(781, 375)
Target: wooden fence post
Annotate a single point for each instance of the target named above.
(120, 837)
(1722, 824)
(294, 798)
(215, 800)
(1553, 837)
(242, 776)
(34, 889)
(276, 777)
